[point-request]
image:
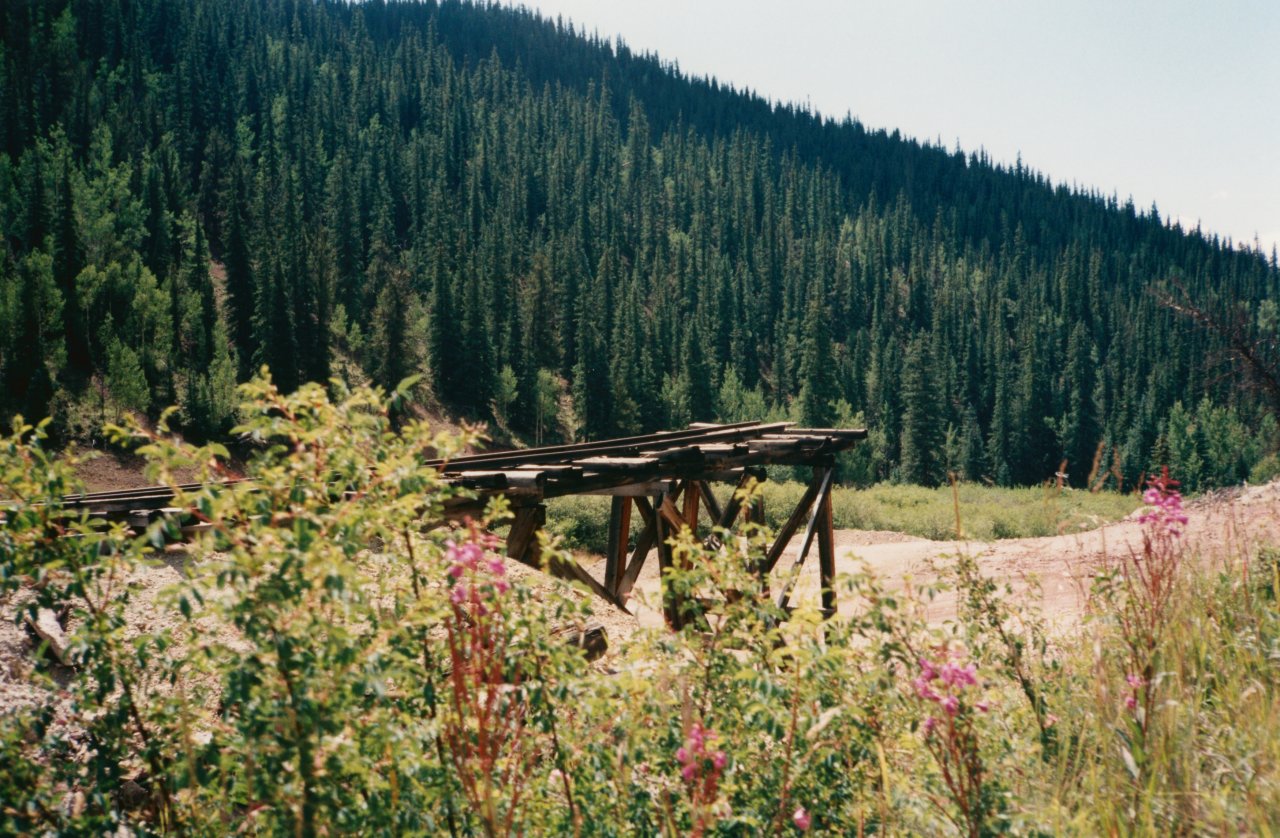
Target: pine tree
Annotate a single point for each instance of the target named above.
(817, 373)
(921, 460)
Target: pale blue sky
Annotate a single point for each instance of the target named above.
(1174, 102)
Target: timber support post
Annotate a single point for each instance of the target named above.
(619, 533)
(524, 547)
(827, 551)
(816, 502)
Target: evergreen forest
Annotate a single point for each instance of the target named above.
(572, 240)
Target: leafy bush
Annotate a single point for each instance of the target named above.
(332, 665)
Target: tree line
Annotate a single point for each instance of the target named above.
(573, 240)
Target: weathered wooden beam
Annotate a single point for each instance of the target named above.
(619, 530)
(666, 562)
(814, 527)
(553, 470)
(798, 514)
(692, 495)
(522, 545)
(845, 433)
(633, 490)
(674, 519)
(733, 507)
(591, 638)
(560, 453)
(827, 552)
(644, 544)
(503, 479)
(713, 505)
(637, 464)
(522, 542)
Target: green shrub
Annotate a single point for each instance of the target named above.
(325, 665)
(1266, 470)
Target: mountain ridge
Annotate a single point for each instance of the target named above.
(570, 238)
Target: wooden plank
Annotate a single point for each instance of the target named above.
(480, 479)
(619, 530)
(852, 433)
(510, 478)
(686, 455)
(616, 463)
(827, 551)
(552, 469)
(564, 453)
(633, 490)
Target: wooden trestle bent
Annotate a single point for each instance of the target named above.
(664, 482)
(666, 477)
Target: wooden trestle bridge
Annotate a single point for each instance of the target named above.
(666, 478)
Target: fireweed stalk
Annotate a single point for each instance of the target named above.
(484, 732)
(701, 767)
(950, 690)
(1149, 578)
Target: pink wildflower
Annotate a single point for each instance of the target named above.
(801, 819)
(1136, 681)
(959, 676)
(923, 689)
(942, 684)
(929, 724)
(1164, 515)
(1131, 702)
(468, 560)
(694, 757)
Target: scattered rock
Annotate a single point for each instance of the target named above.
(47, 628)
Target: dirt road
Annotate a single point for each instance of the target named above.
(1221, 527)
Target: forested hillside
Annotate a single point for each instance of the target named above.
(572, 239)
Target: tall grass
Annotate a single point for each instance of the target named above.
(987, 512)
